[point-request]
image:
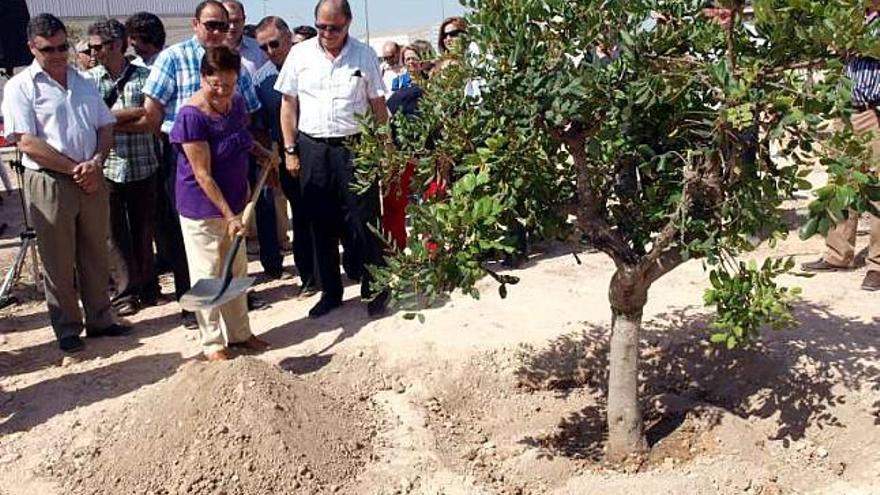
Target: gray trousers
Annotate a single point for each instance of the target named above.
(72, 229)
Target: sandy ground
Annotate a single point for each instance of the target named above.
(494, 396)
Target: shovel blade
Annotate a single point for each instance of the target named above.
(206, 293)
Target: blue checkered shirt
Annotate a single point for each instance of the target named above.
(174, 78)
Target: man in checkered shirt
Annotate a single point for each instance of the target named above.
(174, 78)
(130, 171)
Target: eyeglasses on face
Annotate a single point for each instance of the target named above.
(329, 28)
(62, 48)
(455, 33)
(273, 44)
(216, 26)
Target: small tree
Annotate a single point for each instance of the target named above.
(651, 123)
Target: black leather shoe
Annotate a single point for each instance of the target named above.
(188, 320)
(871, 282)
(255, 302)
(71, 343)
(821, 265)
(323, 307)
(379, 304)
(308, 289)
(114, 330)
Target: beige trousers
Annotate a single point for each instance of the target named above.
(841, 239)
(206, 245)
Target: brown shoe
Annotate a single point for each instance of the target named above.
(821, 265)
(214, 357)
(871, 281)
(253, 344)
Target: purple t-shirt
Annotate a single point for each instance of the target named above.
(230, 143)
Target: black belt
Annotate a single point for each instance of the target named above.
(865, 107)
(333, 141)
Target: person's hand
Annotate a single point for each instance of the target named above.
(87, 175)
(234, 226)
(292, 164)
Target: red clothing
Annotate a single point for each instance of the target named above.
(394, 206)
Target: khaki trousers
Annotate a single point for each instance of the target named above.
(841, 239)
(72, 229)
(206, 245)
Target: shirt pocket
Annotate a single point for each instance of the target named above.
(349, 87)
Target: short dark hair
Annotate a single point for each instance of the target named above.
(44, 25)
(110, 30)
(206, 3)
(148, 27)
(305, 31)
(220, 59)
(274, 21)
(343, 4)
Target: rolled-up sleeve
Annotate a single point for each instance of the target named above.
(373, 75)
(18, 111)
(288, 79)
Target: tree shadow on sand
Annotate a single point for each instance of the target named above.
(797, 377)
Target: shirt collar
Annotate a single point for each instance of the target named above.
(345, 48)
(36, 69)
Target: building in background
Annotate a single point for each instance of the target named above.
(111, 8)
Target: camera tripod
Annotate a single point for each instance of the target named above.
(28, 246)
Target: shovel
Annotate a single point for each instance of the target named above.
(209, 293)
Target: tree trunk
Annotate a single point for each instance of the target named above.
(626, 432)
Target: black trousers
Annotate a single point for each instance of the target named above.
(326, 177)
(267, 231)
(168, 236)
(132, 223)
(303, 241)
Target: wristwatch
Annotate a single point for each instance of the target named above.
(290, 150)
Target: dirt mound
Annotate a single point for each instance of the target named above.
(243, 427)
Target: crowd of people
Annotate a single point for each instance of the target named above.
(137, 163)
(140, 159)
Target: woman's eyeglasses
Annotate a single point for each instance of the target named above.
(274, 44)
(329, 28)
(216, 26)
(62, 48)
(455, 33)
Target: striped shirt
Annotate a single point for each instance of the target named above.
(864, 72)
(133, 156)
(175, 77)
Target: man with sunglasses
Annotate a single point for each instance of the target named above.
(326, 82)
(274, 37)
(65, 132)
(174, 78)
(130, 171)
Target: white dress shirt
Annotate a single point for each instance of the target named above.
(252, 56)
(67, 119)
(331, 92)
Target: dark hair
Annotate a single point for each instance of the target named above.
(305, 31)
(458, 21)
(205, 3)
(249, 30)
(45, 26)
(220, 59)
(274, 21)
(148, 27)
(235, 2)
(109, 30)
(343, 4)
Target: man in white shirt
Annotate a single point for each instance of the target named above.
(252, 57)
(326, 81)
(391, 66)
(65, 132)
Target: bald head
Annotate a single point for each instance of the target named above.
(334, 7)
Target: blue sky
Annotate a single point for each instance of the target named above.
(385, 15)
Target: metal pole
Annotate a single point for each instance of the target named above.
(367, 19)
(442, 9)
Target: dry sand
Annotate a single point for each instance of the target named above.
(486, 397)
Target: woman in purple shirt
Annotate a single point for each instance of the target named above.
(211, 134)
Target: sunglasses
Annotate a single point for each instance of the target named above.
(216, 26)
(98, 47)
(62, 48)
(274, 44)
(455, 33)
(329, 28)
